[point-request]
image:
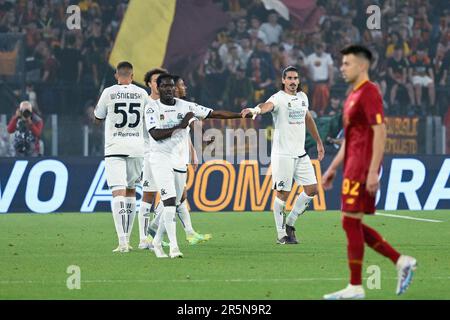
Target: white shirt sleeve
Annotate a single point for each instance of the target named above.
(102, 106)
(199, 111)
(329, 60)
(276, 102)
(152, 115)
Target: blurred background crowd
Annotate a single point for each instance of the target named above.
(65, 70)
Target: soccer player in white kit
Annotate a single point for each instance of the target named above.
(148, 183)
(188, 155)
(167, 120)
(289, 108)
(122, 107)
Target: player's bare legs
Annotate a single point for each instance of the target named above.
(300, 206)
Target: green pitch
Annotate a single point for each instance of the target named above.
(242, 260)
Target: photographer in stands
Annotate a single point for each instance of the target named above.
(26, 127)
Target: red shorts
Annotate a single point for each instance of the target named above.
(355, 198)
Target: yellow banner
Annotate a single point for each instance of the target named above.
(143, 35)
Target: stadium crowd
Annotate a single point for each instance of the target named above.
(65, 69)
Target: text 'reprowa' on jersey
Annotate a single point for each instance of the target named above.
(122, 108)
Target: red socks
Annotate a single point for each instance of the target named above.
(355, 247)
(377, 243)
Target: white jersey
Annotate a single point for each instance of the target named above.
(122, 107)
(289, 114)
(161, 116)
(147, 136)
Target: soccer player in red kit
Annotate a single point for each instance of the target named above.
(362, 154)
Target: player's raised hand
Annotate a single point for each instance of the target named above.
(185, 122)
(328, 178)
(372, 183)
(320, 151)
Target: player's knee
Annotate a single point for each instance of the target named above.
(282, 195)
(148, 197)
(171, 202)
(311, 190)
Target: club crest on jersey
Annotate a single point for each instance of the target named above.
(180, 116)
(281, 184)
(303, 104)
(161, 117)
(289, 105)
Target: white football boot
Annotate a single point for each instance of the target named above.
(122, 249)
(406, 266)
(175, 253)
(350, 292)
(158, 250)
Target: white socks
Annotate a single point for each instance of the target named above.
(171, 226)
(299, 207)
(130, 203)
(185, 218)
(278, 213)
(144, 219)
(120, 218)
(154, 224)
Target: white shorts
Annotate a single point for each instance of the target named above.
(148, 182)
(285, 168)
(423, 81)
(123, 172)
(170, 183)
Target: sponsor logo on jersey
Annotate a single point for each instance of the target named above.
(150, 110)
(281, 184)
(146, 183)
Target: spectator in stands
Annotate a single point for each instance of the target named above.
(335, 106)
(241, 29)
(397, 69)
(272, 29)
(211, 74)
(421, 74)
(238, 91)
(26, 126)
(259, 74)
(378, 71)
(255, 31)
(321, 73)
(394, 40)
(246, 52)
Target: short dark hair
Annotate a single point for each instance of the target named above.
(124, 65)
(359, 51)
(150, 73)
(124, 69)
(162, 77)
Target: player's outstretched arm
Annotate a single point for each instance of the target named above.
(330, 174)
(259, 109)
(312, 128)
(161, 134)
(223, 114)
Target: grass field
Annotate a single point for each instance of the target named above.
(242, 260)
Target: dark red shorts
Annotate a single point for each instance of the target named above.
(355, 198)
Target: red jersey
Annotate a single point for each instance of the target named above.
(362, 109)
